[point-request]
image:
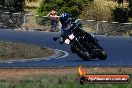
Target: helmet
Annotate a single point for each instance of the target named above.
(64, 18)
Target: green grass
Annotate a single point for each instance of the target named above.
(57, 78)
(10, 50)
(56, 81)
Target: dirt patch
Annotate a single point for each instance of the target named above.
(16, 51)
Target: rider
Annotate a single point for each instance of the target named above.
(66, 21)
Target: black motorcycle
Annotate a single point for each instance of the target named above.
(82, 43)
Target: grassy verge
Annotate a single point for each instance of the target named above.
(56, 78)
(10, 50)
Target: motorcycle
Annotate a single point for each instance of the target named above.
(82, 43)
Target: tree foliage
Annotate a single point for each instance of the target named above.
(12, 5)
(97, 10)
(119, 1)
(74, 7)
(122, 14)
(9, 20)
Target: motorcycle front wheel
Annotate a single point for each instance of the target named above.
(102, 55)
(81, 53)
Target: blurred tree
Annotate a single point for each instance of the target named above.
(12, 5)
(119, 1)
(122, 14)
(129, 5)
(9, 20)
(1, 4)
(31, 0)
(130, 8)
(74, 7)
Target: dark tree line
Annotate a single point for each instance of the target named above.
(122, 14)
(12, 6)
(9, 20)
(74, 7)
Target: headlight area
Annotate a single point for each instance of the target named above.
(67, 41)
(71, 37)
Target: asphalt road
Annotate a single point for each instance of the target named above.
(119, 50)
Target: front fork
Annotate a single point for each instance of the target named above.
(77, 43)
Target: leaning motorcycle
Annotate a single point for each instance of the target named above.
(82, 43)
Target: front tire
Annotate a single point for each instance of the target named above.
(102, 55)
(81, 53)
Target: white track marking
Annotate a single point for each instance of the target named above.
(23, 61)
(65, 54)
(9, 62)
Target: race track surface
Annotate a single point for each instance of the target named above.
(119, 50)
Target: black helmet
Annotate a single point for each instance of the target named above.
(64, 18)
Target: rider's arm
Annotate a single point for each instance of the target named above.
(51, 16)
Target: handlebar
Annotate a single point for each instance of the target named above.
(75, 25)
